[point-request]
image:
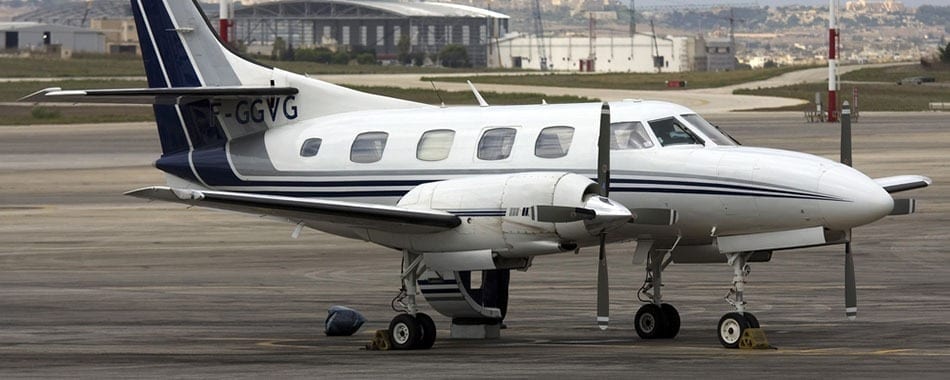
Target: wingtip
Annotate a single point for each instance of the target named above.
(38, 96)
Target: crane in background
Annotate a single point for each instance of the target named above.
(539, 32)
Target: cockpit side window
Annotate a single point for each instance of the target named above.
(669, 131)
(711, 131)
(629, 135)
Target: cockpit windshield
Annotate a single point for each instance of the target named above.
(711, 131)
(670, 131)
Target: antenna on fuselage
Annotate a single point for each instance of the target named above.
(481, 100)
(437, 93)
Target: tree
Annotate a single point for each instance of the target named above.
(289, 54)
(278, 51)
(403, 48)
(944, 53)
(454, 56)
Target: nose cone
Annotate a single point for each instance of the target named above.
(609, 214)
(859, 200)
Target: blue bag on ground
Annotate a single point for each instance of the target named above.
(343, 321)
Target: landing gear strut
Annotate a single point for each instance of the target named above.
(411, 329)
(656, 320)
(732, 325)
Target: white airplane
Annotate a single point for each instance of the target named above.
(482, 188)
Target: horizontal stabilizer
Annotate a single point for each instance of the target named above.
(175, 95)
(310, 211)
(903, 183)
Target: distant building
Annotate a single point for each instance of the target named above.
(618, 53)
(377, 25)
(121, 35)
(57, 39)
(720, 54)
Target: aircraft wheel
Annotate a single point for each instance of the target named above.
(730, 329)
(405, 332)
(753, 321)
(428, 331)
(650, 322)
(672, 318)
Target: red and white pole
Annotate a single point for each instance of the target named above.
(224, 25)
(833, 61)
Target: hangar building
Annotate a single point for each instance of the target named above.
(377, 25)
(34, 36)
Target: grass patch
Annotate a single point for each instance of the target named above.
(314, 68)
(92, 65)
(466, 97)
(44, 113)
(88, 66)
(627, 81)
(871, 97)
(26, 115)
(895, 73)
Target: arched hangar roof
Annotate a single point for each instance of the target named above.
(363, 9)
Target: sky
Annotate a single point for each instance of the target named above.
(910, 3)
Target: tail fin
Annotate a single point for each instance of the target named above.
(180, 49)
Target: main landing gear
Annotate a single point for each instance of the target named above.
(411, 330)
(732, 325)
(656, 320)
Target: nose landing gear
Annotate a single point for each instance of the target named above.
(733, 325)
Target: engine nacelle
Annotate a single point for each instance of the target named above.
(499, 213)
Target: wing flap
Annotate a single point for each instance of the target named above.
(310, 211)
(175, 95)
(900, 183)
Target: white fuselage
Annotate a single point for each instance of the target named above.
(718, 190)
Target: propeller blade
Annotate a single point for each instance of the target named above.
(603, 288)
(850, 287)
(850, 284)
(846, 133)
(603, 151)
(603, 179)
(562, 214)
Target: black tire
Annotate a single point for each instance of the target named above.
(672, 317)
(753, 321)
(730, 329)
(428, 331)
(404, 332)
(649, 322)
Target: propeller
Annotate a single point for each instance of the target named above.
(603, 179)
(850, 284)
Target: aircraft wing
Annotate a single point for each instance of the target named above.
(310, 211)
(175, 95)
(900, 183)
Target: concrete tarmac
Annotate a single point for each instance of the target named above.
(97, 285)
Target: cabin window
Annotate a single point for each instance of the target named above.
(435, 145)
(310, 147)
(368, 147)
(670, 132)
(628, 136)
(496, 144)
(554, 142)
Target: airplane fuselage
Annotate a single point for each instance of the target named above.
(719, 189)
